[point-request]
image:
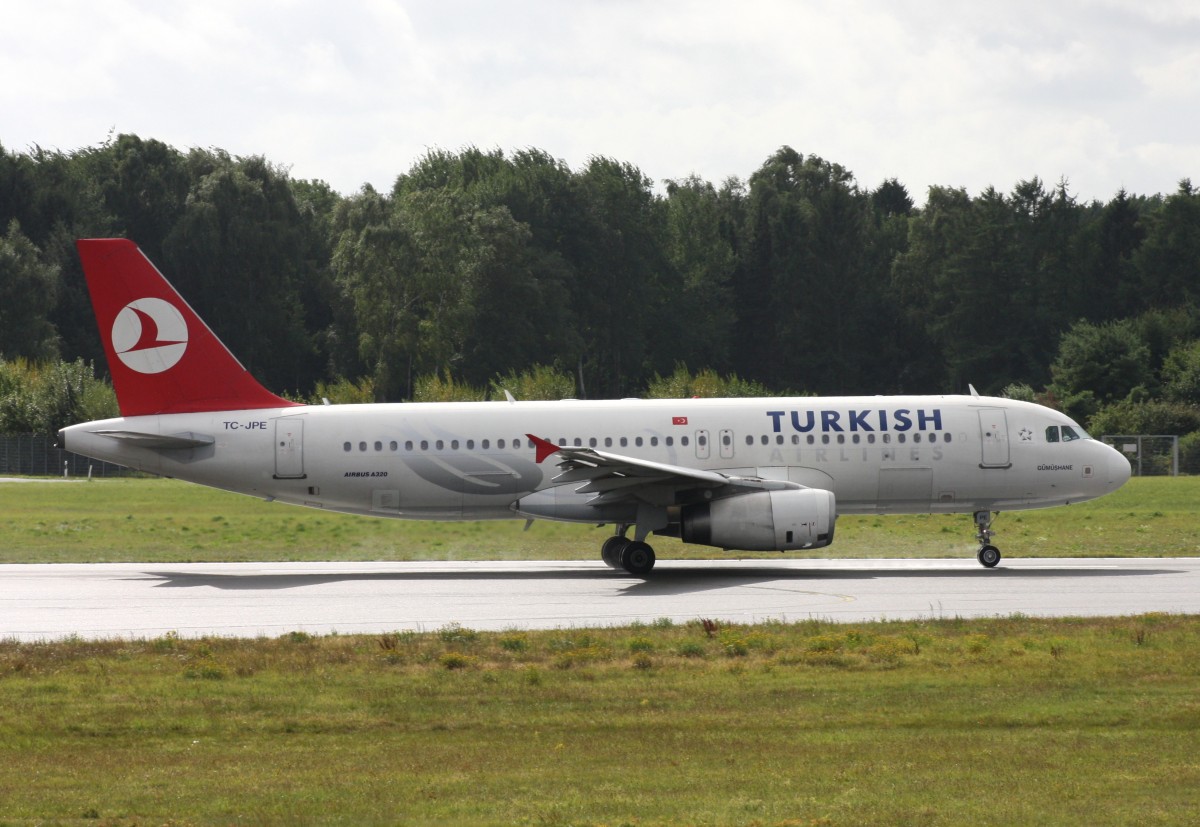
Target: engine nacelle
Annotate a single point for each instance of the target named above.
(763, 521)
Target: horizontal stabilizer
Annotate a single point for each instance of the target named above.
(160, 441)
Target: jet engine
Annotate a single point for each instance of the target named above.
(763, 520)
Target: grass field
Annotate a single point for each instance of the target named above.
(158, 520)
(938, 722)
(1006, 721)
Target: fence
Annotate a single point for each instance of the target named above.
(1153, 455)
(39, 455)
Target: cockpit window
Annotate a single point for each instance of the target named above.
(1065, 433)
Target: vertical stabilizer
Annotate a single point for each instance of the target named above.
(163, 358)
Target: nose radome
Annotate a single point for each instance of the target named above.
(1119, 468)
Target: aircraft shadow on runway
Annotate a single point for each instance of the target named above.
(664, 581)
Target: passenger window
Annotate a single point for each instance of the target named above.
(654, 441)
(362, 446)
(440, 444)
(393, 445)
(578, 442)
(470, 444)
(870, 439)
(671, 441)
(726, 439)
(916, 437)
(454, 444)
(811, 439)
(946, 438)
(592, 442)
(608, 442)
(765, 439)
(485, 444)
(638, 442)
(345, 446)
(702, 440)
(500, 444)
(517, 443)
(624, 442)
(900, 438)
(824, 439)
(683, 441)
(749, 439)
(841, 439)
(933, 437)
(378, 445)
(1052, 433)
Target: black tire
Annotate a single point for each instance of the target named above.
(637, 558)
(988, 557)
(610, 552)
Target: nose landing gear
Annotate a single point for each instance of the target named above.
(988, 555)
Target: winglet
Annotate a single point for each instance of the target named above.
(544, 447)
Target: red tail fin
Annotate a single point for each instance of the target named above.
(162, 357)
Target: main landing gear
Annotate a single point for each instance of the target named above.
(619, 552)
(988, 555)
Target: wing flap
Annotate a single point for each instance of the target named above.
(616, 478)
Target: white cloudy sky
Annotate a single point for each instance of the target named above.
(1104, 93)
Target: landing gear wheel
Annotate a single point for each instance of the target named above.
(989, 556)
(610, 552)
(637, 558)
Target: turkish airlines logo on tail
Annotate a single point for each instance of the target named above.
(149, 335)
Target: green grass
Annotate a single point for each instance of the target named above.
(157, 520)
(1004, 721)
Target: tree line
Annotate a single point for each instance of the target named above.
(479, 265)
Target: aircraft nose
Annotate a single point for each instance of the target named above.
(1119, 468)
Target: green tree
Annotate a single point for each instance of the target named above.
(537, 382)
(620, 297)
(804, 279)
(1181, 374)
(1169, 259)
(238, 253)
(1098, 365)
(43, 397)
(703, 262)
(705, 383)
(28, 288)
(1153, 417)
(1107, 248)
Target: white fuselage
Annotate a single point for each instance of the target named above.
(473, 460)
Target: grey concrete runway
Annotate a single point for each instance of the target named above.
(46, 602)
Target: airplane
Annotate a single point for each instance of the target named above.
(752, 474)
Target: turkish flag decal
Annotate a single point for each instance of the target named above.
(679, 420)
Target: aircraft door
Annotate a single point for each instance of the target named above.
(289, 448)
(702, 446)
(726, 444)
(993, 433)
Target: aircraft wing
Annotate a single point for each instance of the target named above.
(613, 477)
